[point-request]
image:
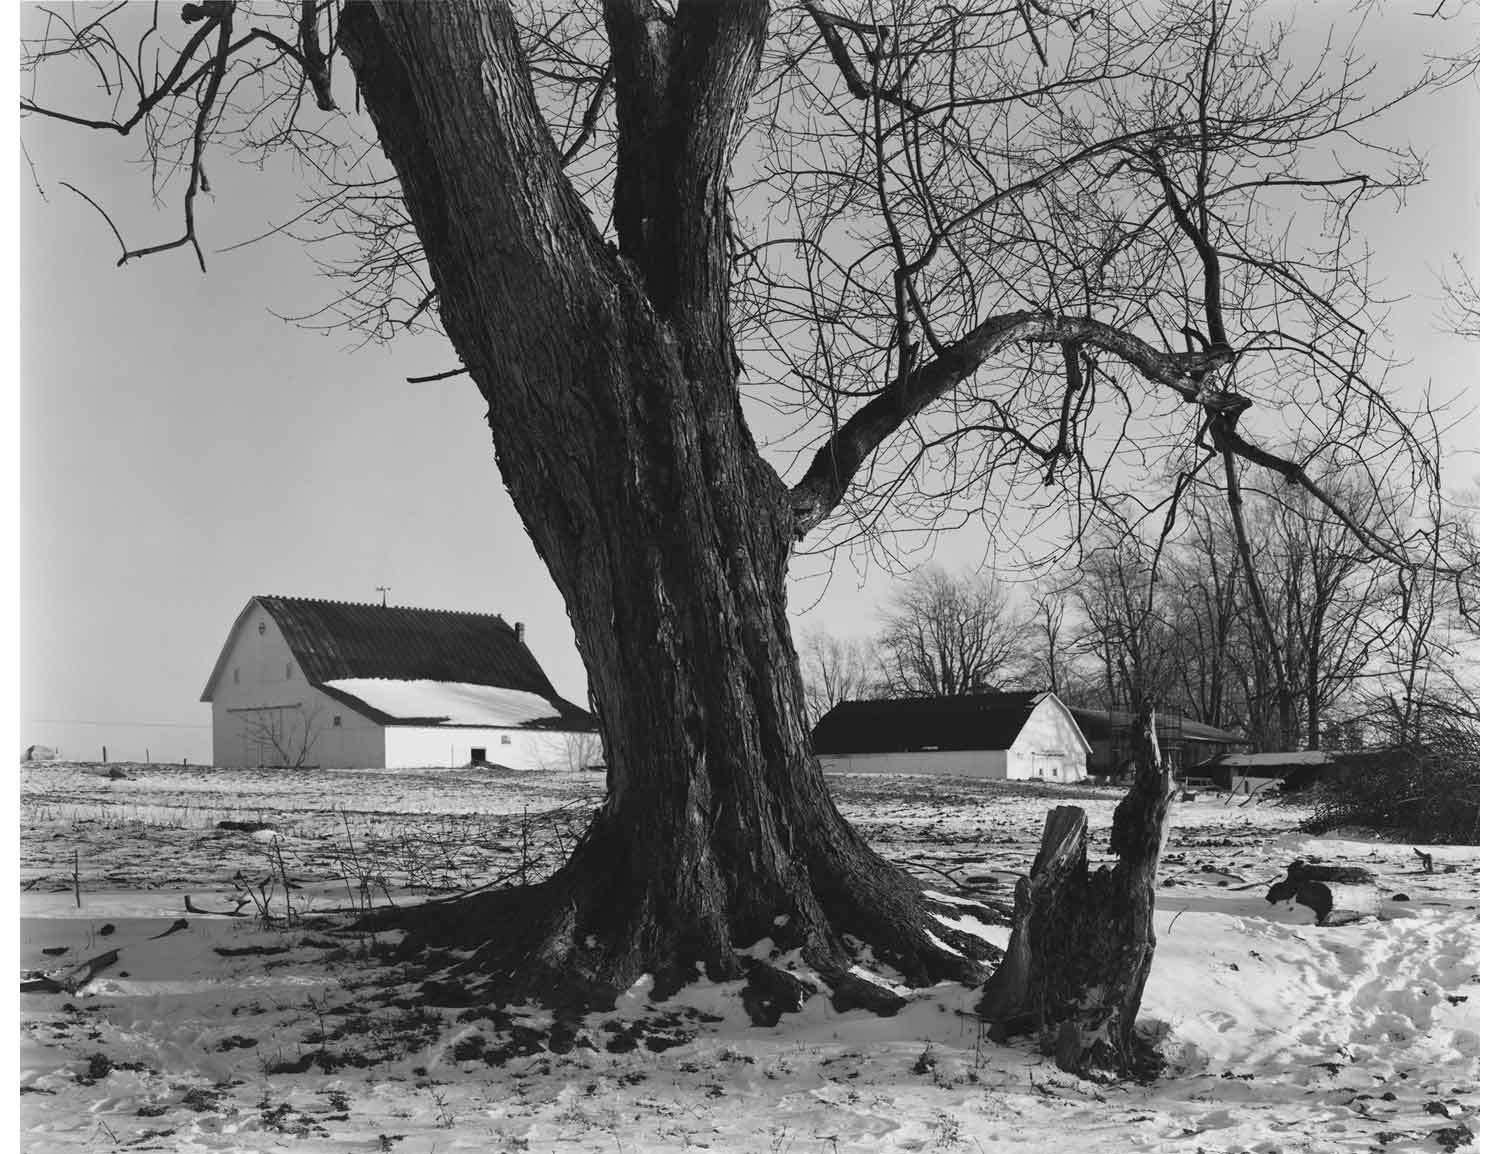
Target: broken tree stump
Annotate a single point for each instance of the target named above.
(1335, 894)
(1081, 947)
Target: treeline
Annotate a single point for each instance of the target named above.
(1316, 644)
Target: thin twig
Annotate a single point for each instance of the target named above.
(436, 376)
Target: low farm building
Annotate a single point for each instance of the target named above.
(1182, 742)
(1005, 736)
(1296, 770)
(302, 682)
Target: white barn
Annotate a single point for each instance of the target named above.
(1004, 736)
(301, 682)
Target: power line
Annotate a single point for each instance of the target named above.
(115, 724)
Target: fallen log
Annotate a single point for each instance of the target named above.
(187, 904)
(72, 980)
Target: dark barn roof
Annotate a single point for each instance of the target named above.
(913, 724)
(1098, 724)
(340, 639)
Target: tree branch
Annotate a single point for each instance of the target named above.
(835, 464)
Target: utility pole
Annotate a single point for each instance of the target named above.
(382, 590)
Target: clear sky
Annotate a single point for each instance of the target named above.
(182, 449)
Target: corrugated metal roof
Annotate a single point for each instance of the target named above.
(341, 639)
(914, 724)
(1098, 723)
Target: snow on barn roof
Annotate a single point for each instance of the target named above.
(447, 702)
(911, 724)
(337, 641)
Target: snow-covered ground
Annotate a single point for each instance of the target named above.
(213, 1033)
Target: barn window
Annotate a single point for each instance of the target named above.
(338, 721)
(236, 674)
(505, 739)
(262, 628)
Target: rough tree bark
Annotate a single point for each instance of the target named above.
(611, 381)
(1082, 944)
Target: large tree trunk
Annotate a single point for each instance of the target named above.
(611, 384)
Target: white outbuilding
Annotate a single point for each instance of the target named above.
(1004, 736)
(302, 682)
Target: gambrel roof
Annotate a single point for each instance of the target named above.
(341, 641)
(913, 724)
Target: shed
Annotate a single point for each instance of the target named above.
(304, 682)
(1004, 736)
(1299, 769)
(1182, 742)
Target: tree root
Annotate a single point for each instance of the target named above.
(578, 939)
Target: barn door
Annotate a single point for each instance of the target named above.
(1048, 766)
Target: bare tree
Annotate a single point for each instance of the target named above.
(970, 252)
(945, 636)
(1204, 596)
(835, 670)
(1120, 597)
(580, 751)
(284, 736)
(1053, 658)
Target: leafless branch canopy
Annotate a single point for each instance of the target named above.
(981, 255)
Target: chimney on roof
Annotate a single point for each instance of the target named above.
(521, 632)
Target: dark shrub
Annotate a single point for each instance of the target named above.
(1427, 794)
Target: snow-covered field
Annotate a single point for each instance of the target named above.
(208, 1032)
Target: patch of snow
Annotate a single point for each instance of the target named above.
(889, 983)
(455, 703)
(950, 899)
(1255, 760)
(942, 945)
(995, 935)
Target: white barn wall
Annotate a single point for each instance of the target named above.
(989, 763)
(355, 742)
(260, 674)
(414, 747)
(1049, 746)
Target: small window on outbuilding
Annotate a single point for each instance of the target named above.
(261, 628)
(338, 721)
(505, 739)
(288, 670)
(236, 674)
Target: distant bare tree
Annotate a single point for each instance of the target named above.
(289, 733)
(1120, 598)
(580, 751)
(946, 636)
(835, 670)
(1204, 596)
(1053, 658)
